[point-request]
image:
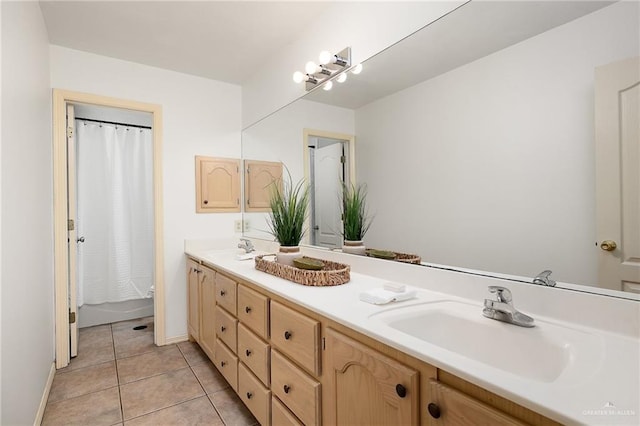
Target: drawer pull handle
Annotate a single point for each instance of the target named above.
(223, 328)
(401, 391)
(247, 309)
(249, 395)
(287, 388)
(222, 363)
(434, 410)
(247, 352)
(223, 293)
(287, 335)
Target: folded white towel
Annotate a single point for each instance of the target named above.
(380, 296)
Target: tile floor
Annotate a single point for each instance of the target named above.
(121, 378)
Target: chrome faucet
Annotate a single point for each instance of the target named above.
(543, 279)
(502, 309)
(246, 244)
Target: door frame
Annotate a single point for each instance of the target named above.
(351, 146)
(60, 218)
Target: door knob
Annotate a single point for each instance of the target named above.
(81, 240)
(608, 245)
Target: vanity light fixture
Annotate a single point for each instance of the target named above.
(329, 67)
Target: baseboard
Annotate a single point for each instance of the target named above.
(176, 339)
(45, 396)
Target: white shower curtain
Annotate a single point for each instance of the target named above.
(115, 212)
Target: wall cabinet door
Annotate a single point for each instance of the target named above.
(367, 387)
(258, 179)
(217, 185)
(193, 300)
(208, 311)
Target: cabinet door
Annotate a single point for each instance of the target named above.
(193, 300)
(450, 407)
(367, 387)
(258, 179)
(208, 311)
(217, 185)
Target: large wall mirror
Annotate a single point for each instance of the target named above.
(475, 137)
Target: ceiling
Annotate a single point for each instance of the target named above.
(220, 40)
(474, 30)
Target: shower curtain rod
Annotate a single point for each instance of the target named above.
(114, 123)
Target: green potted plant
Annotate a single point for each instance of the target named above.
(289, 206)
(355, 218)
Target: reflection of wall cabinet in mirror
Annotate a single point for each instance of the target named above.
(217, 185)
(259, 175)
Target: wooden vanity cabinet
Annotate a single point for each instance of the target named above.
(193, 300)
(451, 407)
(207, 311)
(292, 366)
(366, 387)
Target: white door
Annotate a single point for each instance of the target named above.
(73, 240)
(617, 126)
(328, 176)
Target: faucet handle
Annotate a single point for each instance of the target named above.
(503, 294)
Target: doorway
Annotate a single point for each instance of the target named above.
(329, 164)
(66, 235)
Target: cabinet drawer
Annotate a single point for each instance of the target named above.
(296, 389)
(226, 293)
(281, 416)
(227, 364)
(253, 310)
(254, 352)
(255, 396)
(226, 328)
(456, 408)
(296, 335)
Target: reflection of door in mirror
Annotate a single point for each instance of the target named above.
(617, 124)
(328, 169)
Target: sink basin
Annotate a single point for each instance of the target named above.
(543, 353)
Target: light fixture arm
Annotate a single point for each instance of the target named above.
(338, 63)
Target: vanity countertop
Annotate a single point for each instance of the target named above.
(603, 387)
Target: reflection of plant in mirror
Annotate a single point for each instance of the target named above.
(289, 204)
(354, 212)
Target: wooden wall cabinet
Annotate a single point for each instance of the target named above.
(291, 366)
(258, 178)
(217, 185)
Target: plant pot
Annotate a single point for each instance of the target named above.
(286, 254)
(354, 247)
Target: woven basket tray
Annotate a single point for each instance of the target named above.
(333, 273)
(404, 257)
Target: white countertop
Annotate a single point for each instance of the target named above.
(605, 392)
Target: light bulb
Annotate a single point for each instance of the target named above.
(298, 77)
(342, 78)
(310, 67)
(357, 69)
(328, 85)
(325, 57)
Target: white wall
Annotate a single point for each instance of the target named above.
(27, 344)
(200, 117)
(367, 27)
(280, 138)
(430, 150)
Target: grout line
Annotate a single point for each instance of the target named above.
(113, 341)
